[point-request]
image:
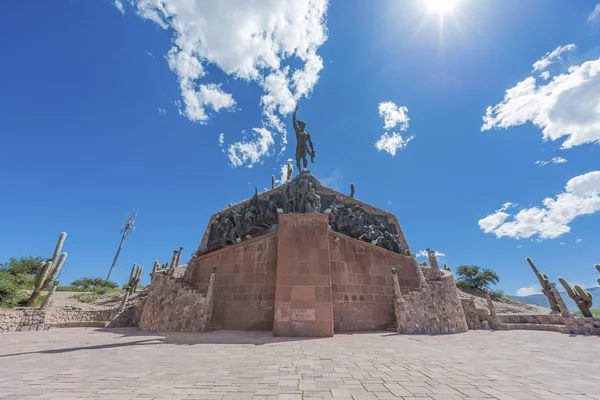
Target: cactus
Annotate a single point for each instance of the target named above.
(272, 181)
(48, 300)
(157, 268)
(447, 268)
(545, 283)
(134, 278)
(289, 173)
(48, 270)
(598, 268)
(582, 297)
(178, 259)
(352, 190)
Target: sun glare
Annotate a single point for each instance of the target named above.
(440, 6)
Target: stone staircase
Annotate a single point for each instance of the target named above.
(537, 327)
(393, 327)
(81, 324)
(201, 290)
(213, 326)
(549, 322)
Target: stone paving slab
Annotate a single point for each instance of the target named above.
(123, 364)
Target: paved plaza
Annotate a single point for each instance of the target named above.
(88, 363)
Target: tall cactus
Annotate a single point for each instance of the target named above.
(48, 270)
(156, 268)
(546, 289)
(598, 268)
(352, 190)
(134, 278)
(582, 297)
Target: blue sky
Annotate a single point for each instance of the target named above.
(111, 106)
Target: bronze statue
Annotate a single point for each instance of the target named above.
(304, 144)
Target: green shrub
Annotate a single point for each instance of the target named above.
(9, 290)
(595, 313)
(16, 277)
(495, 294)
(93, 283)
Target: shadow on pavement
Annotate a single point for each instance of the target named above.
(257, 338)
(96, 347)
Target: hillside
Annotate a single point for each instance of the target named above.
(505, 304)
(541, 300)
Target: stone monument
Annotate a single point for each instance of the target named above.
(305, 260)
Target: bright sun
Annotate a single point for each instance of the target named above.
(440, 6)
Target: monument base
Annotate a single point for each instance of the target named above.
(303, 301)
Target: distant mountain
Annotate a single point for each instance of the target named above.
(541, 300)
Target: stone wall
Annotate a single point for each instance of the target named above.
(362, 285)
(178, 271)
(244, 293)
(477, 318)
(303, 304)
(434, 309)
(130, 317)
(22, 320)
(57, 316)
(552, 319)
(583, 326)
(172, 305)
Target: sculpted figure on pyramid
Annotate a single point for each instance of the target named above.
(304, 144)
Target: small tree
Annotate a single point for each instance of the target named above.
(475, 278)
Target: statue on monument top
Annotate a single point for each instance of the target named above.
(304, 144)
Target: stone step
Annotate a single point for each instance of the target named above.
(537, 327)
(81, 324)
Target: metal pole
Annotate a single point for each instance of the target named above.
(116, 256)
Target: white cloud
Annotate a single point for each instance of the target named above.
(119, 5)
(520, 246)
(562, 243)
(545, 75)
(580, 197)
(393, 116)
(493, 221)
(161, 111)
(595, 13)
(579, 240)
(221, 139)
(551, 58)
(529, 290)
(271, 43)
(423, 253)
(392, 143)
(251, 152)
(554, 160)
(567, 106)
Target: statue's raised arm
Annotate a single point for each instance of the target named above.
(294, 120)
